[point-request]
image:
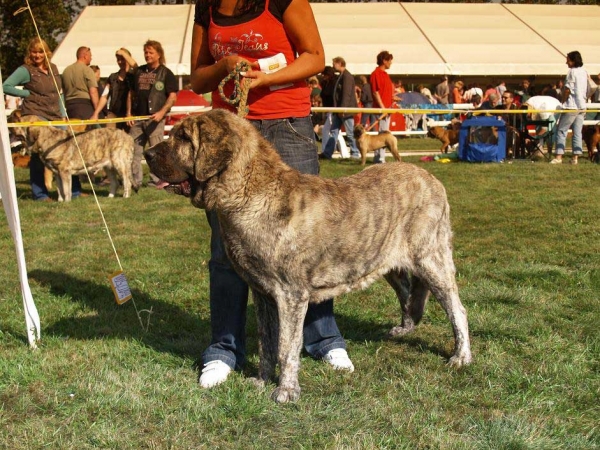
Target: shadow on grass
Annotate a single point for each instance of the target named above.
(421, 338)
(172, 329)
(176, 330)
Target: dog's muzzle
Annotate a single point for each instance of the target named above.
(184, 188)
(177, 183)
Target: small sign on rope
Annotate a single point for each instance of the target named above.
(120, 288)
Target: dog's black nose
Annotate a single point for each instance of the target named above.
(149, 154)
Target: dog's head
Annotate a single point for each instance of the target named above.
(435, 132)
(27, 135)
(359, 130)
(198, 149)
(15, 117)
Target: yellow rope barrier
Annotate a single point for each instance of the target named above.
(495, 112)
(75, 122)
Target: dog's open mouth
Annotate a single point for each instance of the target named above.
(184, 188)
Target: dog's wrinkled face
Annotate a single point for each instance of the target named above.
(27, 135)
(198, 148)
(173, 160)
(20, 133)
(359, 130)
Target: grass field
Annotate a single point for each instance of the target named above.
(527, 251)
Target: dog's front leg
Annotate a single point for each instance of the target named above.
(267, 320)
(63, 185)
(292, 312)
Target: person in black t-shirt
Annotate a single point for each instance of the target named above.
(115, 92)
(153, 93)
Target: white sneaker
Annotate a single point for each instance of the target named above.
(556, 161)
(339, 360)
(214, 373)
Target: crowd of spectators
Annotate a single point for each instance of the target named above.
(133, 91)
(493, 95)
(150, 90)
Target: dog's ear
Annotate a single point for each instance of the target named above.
(33, 134)
(14, 116)
(217, 139)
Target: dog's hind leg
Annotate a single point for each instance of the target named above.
(439, 273)
(413, 295)
(114, 183)
(63, 186)
(292, 311)
(394, 151)
(267, 319)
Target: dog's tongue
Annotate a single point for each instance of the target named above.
(183, 188)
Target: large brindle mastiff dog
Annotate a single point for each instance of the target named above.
(299, 238)
(107, 149)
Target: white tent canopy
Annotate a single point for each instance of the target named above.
(487, 39)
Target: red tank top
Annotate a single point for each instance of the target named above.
(259, 38)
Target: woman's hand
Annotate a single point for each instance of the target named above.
(258, 78)
(231, 62)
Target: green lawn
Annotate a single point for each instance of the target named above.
(527, 251)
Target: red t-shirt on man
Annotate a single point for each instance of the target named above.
(381, 82)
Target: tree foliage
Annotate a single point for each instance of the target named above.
(16, 31)
(53, 18)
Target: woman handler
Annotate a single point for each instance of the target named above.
(267, 34)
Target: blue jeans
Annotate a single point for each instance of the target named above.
(326, 130)
(566, 121)
(294, 141)
(336, 125)
(365, 117)
(145, 132)
(36, 177)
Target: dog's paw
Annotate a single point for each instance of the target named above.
(258, 383)
(460, 360)
(285, 395)
(401, 331)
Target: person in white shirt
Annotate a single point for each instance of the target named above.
(543, 103)
(574, 100)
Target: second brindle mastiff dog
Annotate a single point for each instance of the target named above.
(299, 238)
(107, 149)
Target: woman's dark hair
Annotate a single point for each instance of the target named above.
(576, 58)
(384, 56)
(246, 6)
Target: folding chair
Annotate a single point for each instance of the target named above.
(534, 144)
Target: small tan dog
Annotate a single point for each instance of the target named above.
(369, 142)
(449, 137)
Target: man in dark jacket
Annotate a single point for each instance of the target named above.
(344, 97)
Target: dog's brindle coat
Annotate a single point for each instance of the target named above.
(298, 238)
(107, 149)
